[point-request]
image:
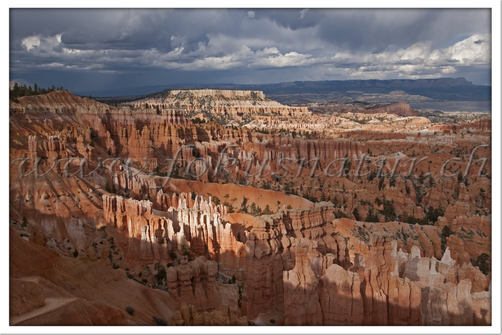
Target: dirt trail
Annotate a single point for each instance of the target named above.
(51, 304)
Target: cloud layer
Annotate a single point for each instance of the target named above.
(102, 47)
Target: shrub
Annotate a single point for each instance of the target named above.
(198, 120)
(433, 214)
(483, 263)
(372, 176)
(75, 253)
(371, 217)
(356, 214)
(130, 310)
(255, 210)
(381, 184)
(243, 205)
(161, 271)
(272, 321)
(460, 177)
(423, 222)
(186, 250)
(159, 321)
(339, 214)
(388, 210)
(447, 232)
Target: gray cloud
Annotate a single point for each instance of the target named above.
(245, 46)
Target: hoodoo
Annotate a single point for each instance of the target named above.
(223, 207)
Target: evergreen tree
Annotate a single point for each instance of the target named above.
(356, 214)
(18, 91)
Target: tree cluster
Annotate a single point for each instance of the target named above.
(18, 91)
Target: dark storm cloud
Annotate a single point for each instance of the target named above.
(244, 45)
(376, 29)
(292, 18)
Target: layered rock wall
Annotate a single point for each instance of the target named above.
(361, 278)
(151, 234)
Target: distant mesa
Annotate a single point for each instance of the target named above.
(235, 103)
(443, 89)
(399, 108)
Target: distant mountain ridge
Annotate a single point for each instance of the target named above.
(443, 89)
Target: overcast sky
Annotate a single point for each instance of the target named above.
(84, 49)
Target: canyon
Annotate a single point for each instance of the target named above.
(271, 215)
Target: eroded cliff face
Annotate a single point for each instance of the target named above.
(474, 126)
(89, 129)
(337, 272)
(188, 316)
(221, 102)
(153, 234)
(398, 108)
(307, 265)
